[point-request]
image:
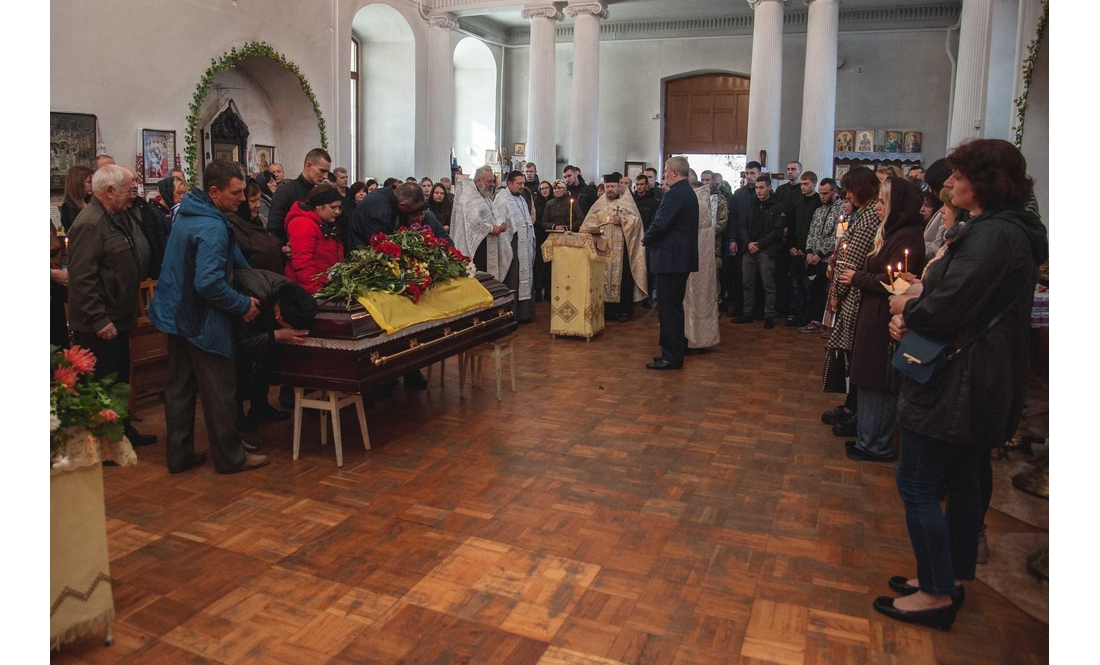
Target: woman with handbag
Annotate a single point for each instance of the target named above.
(862, 186)
(898, 243)
(977, 301)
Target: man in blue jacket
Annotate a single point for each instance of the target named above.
(672, 246)
(195, 305)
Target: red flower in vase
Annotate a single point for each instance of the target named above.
(66, 376)
(106, 416)
(82, 360)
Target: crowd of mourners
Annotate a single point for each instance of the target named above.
(963, 235)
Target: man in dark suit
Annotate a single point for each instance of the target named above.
(672, 245)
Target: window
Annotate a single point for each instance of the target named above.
(353, 163)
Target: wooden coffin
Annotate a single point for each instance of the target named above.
(348, 352)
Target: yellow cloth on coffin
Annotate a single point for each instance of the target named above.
(80, 578)
(576, 293)
(442, 301)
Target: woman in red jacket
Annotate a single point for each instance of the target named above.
(314, 240)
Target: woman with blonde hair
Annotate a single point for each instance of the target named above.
(78, 190)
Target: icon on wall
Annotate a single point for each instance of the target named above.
(844, 141)
(265, 156)
(912, 142)
(519, 149)
(158, 147)
(892, 142)
(865, 140)
(72, 142)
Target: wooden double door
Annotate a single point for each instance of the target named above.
(706, 114)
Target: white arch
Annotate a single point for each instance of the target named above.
(387, 82)
(475, 113)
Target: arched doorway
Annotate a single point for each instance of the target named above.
(387, 92)
(705, 115)
(475, 114)
(269, 96)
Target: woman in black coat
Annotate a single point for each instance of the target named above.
(899, 241)
(78, 191)
(978, 298)
(555, 214)
(544, 193)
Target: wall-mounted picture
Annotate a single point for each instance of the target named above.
(158, 147)
(839, 170)
(892, 142)
(72, 142)
(519, 149)
(265, 156)
(865, 140)
(492, 156)
(911, 143)
(845, 140)
(633, 169)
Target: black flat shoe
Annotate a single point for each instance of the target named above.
(198, 459)
(245, 424)
(900, 585)
(845, 426)
(694, 352)
(858, 454)
(832, 417)
(769, 323)
(940, 617)
(663, 364)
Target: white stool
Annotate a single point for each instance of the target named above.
(495, 350)
(329, 403)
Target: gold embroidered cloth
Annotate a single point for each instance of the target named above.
(626, 237)
(577, 284)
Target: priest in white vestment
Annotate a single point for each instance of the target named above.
(701, 299)
(511, 208)
(616, 216)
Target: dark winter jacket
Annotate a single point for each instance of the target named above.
(151, 224)
(442, 211)
(904, 229)
(766, 220)
(737, 226)
(69, 210)
(584, 197)
(282, 201)
(789, 194)
(105, 269)
(672, 241)
(647, 207)
(556, 213)
(163, 203)
(258, 337)
(798, 225)
(261, 249)
(991, 265)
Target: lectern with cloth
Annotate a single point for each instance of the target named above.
(576, 293)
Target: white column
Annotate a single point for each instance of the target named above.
(766, 81)
(542, 91)
(972, 74)
(584, 139)
(441, 96)
(815, 150)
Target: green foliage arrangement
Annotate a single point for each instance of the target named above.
(228, 61)
(78, 400)
(1029, 69)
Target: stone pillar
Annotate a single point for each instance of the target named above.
(972, 73)
(542, 91)
(441, 96)
(584, 139)
(766, 82)
(815, 149)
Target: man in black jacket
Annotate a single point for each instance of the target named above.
(646, 199)
(385, 210)
(150, 223)
(672, 247)
(531, 178)
(765, 245)
(798, 229)
(789, 194)
(583, 194)
(314, 172)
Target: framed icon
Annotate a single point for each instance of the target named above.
(892, 141)
(911, 142)
(633, 169)
(72, 142)
(865, 140)
(158, 149)
(844, 140)
(519, 150)
(265, 157)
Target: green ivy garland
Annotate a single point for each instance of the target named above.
(1029, 69)
(228, 61)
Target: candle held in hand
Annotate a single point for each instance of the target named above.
(906, 260)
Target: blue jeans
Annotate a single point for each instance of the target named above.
(945, 544)
(878, 410)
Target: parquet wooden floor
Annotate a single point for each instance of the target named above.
(604, 514)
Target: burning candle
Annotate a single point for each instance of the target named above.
(890, 275)
(570, 214)
(906, 260)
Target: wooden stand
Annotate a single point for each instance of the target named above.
(329, 403)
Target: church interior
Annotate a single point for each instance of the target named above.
(481, 485)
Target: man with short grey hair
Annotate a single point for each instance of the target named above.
(101, 161)
(276, 169)
(108, 257)
(672, 246)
